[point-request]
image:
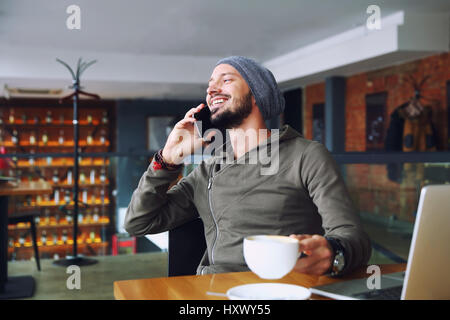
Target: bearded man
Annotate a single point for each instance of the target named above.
(305, 198)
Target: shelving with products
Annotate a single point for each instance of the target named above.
(33, 127)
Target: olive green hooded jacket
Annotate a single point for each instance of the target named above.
(304, 194)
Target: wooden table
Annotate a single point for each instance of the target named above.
(23, 286)
(195, 287)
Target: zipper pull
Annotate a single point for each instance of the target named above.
(209, 183)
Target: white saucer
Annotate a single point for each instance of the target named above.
(268, 291)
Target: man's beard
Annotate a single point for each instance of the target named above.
(230, 119)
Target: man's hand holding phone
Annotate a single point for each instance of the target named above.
(184, 138)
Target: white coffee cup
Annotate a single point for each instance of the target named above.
(271, 256)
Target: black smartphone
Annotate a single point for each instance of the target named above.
(204, 116)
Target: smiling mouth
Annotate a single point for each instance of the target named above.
(217, 103)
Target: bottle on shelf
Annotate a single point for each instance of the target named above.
(102, 195)
(80, 217)
(1, 117)
(103, 137)
(92, 236)
(31, 159)
(84, 196)
(89, 119)
(64, 236)
(87, 216)
(61, 137)
(15, 137)
(69, 216)
(89, 139)
(11, 116)
(67, 196)
(45, 138)
(55, 177)
(92, 176)
(82, 178)
(38, 200)
(103, 175)
(96, 215)
(56, 198)
(36, 120)
(61, 118)
(69, 177)
(21, 240)
(37, 220)
(55, 238)
(33, 138)
(1, 136)
(105, 117)
(47, 217)
(24, 118)
(49, 161)
(44, 237)
(48, 117)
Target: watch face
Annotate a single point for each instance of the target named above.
(339, 261)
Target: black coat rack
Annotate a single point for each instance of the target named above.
(76, 259)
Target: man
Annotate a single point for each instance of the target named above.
(306, 198)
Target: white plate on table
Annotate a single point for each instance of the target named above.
(268, 291)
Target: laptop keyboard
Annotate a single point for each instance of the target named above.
(393, 293)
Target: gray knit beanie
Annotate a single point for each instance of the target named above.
(262, 84)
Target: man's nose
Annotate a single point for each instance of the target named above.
(213, 88)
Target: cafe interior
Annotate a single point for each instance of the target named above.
(89, 92)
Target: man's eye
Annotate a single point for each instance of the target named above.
(226, 80)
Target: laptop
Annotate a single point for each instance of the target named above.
(427, 272)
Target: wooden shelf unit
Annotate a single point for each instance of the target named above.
(34, 135)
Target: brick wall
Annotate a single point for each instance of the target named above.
(393, 81)
(369, 186)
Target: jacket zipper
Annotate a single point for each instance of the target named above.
(210, 181)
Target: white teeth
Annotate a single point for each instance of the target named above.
(218, 101)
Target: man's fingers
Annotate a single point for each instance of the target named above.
(183, 122)
(300, 237)
(307, 265)
(310, 244)
(191, 112)
(317, 262)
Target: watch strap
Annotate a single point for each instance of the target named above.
(338, 248)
